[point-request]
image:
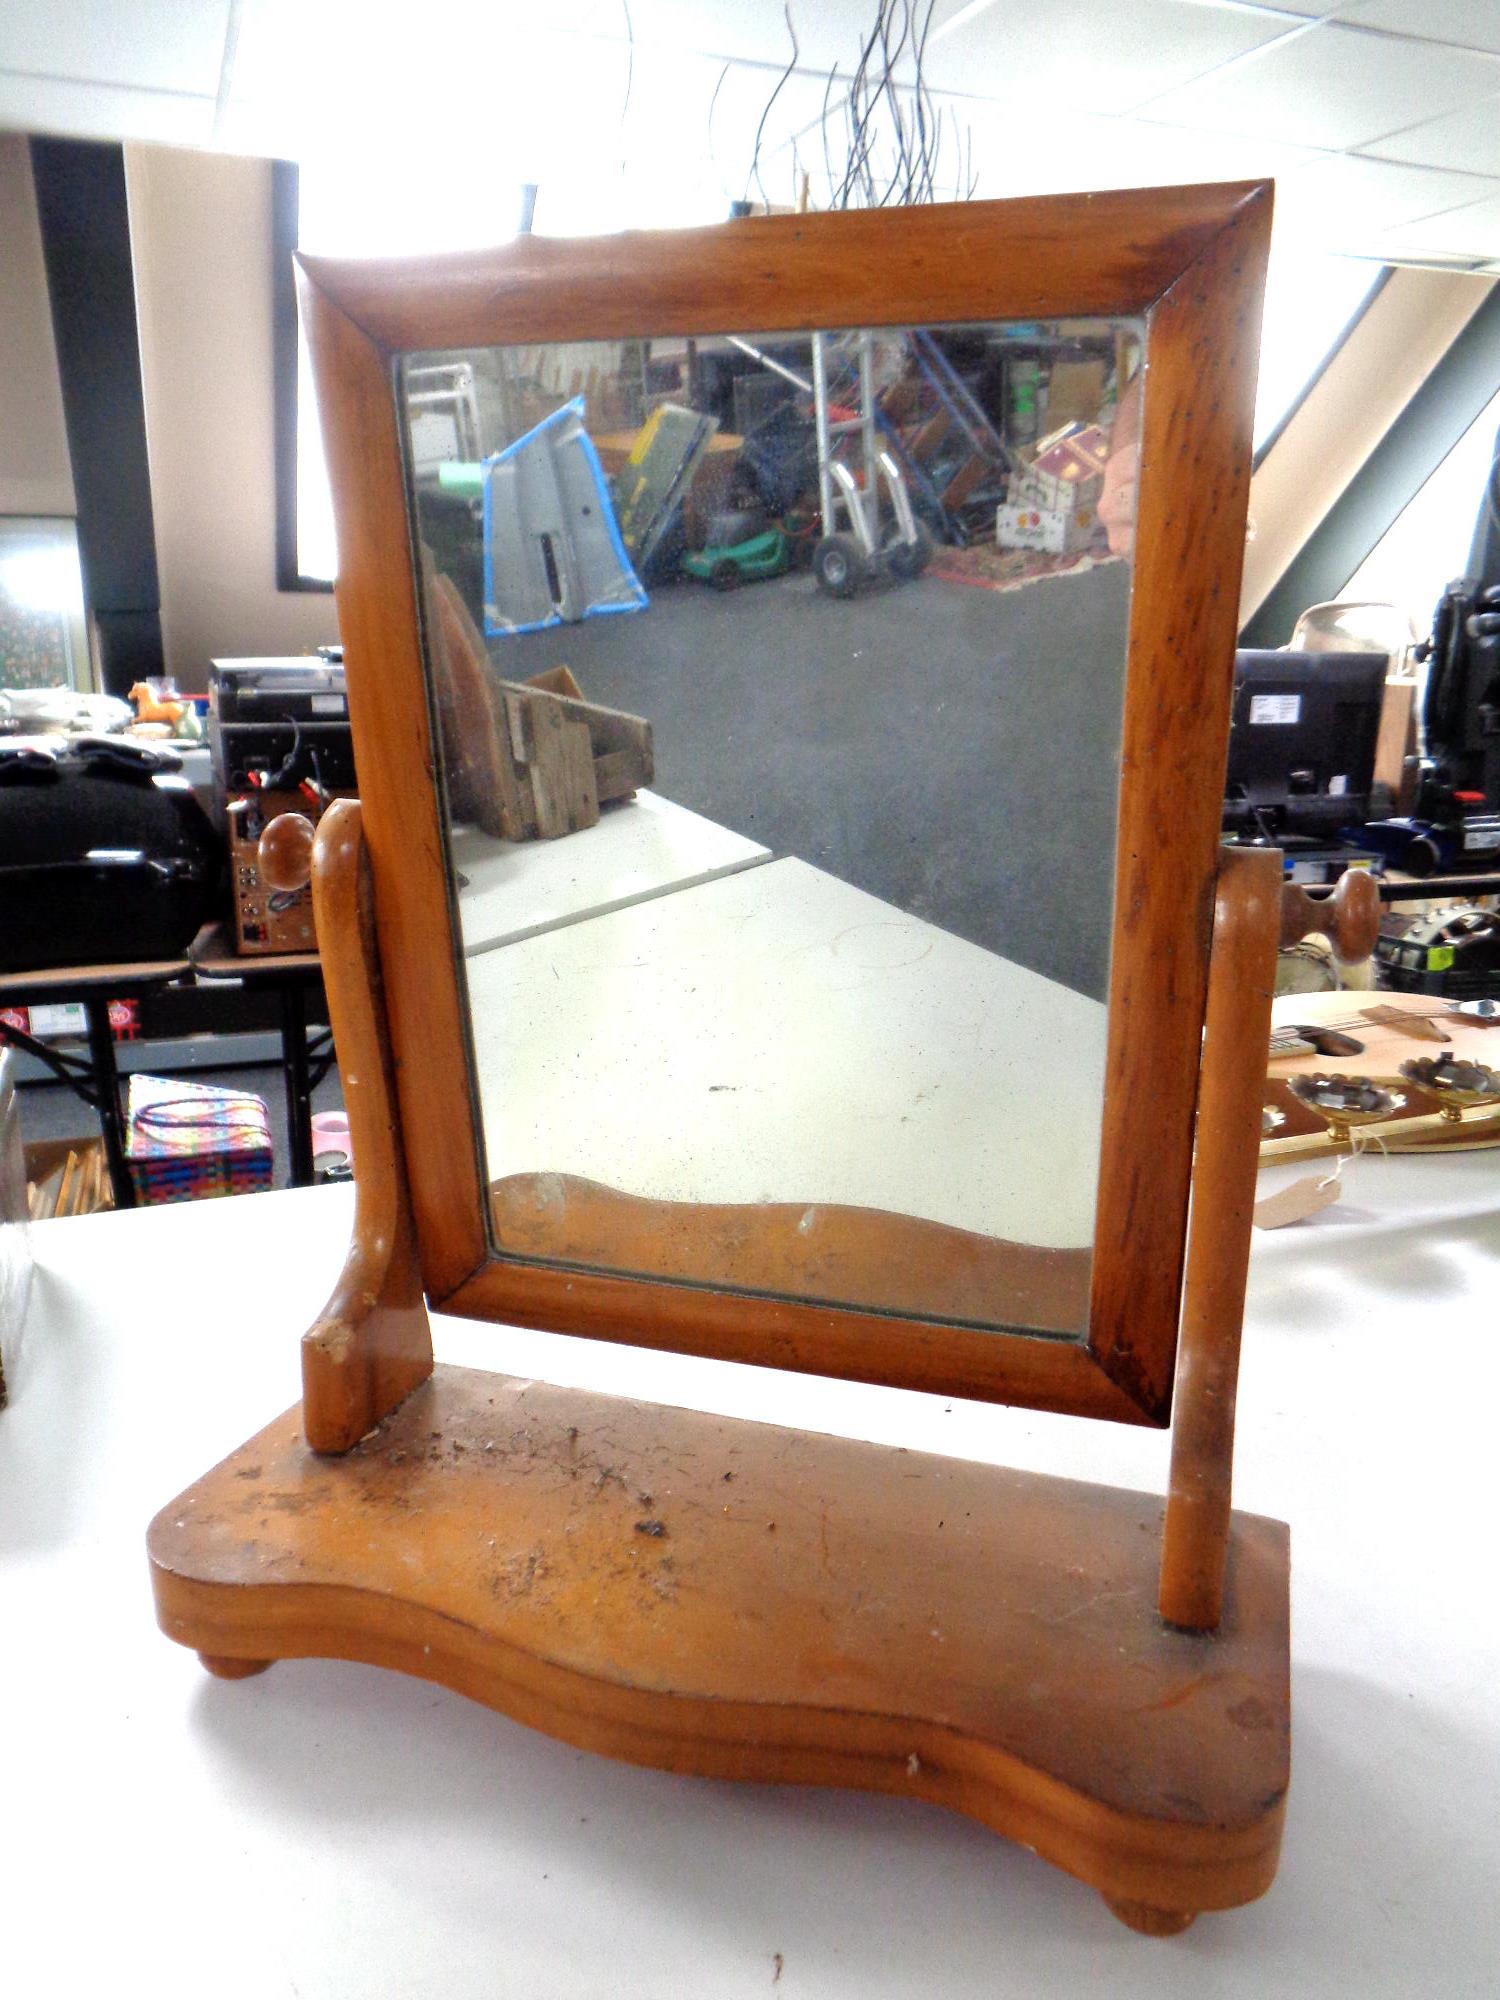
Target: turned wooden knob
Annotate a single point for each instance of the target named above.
(285, 852)
(1349, 918)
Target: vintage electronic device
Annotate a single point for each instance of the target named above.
(1302, 739)
(276, 722)
(1461, 706)
(279, 734)
(105, 854)
(1454, 952)
(651, 1082)
(266, 919)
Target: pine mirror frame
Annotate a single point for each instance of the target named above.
(1189, 263)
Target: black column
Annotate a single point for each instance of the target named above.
(80, 199)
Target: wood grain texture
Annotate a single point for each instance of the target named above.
(68, 981)
(1032, 1370)
(371, 1344)
(400, 791)
(1197, 417)
(823, 1250)
(1241, 982)
(1193, 261)
(1052, 256)
(739, 1600)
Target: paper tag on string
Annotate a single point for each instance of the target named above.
(1298, 1202)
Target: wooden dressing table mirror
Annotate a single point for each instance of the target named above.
(777, 926)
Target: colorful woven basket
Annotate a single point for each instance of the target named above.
(189, 1141)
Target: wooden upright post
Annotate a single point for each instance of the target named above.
(371, 1344)
(1241, 979)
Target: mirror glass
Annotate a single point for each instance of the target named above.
(779, 685)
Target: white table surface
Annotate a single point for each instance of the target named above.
(641, 847)
(330, 1830)
(781, 1036)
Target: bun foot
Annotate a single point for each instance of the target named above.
(1148, 1920)
(225, 1669)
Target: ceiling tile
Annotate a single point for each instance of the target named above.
(301, 47)
(748, 31)
(1020, 155)
(1462, 232)
(1170, 155)
(674, 115)
(506, 86)
(1343, 201)
(156, 44)
(1472, 24)
(1333, 86)
(102, 111)
(972, 147)
(1467, 141)
(578, 84)
(1013, 150)
(645, 111)
(698, 118)
(828, 31)
(1109, 54)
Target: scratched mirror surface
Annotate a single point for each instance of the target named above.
(779, 685)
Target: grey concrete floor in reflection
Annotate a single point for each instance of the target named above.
(950, 749)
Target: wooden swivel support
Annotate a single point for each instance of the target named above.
(1254, 910)
(370, 1346)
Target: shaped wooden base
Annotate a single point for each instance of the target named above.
(742, 1601)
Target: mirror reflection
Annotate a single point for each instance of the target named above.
(779, 683)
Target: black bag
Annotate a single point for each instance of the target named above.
(105, 854)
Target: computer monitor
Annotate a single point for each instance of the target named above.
(1302, 742)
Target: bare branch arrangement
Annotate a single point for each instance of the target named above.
(886, 141)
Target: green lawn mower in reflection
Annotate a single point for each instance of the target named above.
(742, 546)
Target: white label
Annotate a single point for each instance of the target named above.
(60, 1017)
(1477, 838)
(1276, 708)
(329, 704)
(1338, 787)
